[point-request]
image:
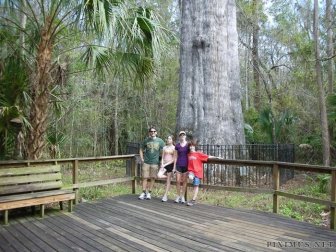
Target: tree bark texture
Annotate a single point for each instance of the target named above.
(210, 94)
(330, 53)
(40, 94)
(330, 46)
(255, 54)
(322, 102)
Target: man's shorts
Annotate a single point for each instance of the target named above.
(196, 181)
(149, 170)
(181, 169)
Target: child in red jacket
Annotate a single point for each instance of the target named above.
(195, 168)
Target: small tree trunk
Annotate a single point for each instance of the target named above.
(330, 47)
(115, 120)
(255, 55)
(322, 103)
(330, 53)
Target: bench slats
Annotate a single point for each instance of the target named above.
(23, 188)
(29, 170)
(33, 195)
(29, 178)
(31, 186)
(36, 201)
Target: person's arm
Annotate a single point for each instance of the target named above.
(141, 155)
(175, 159)
(163, 153)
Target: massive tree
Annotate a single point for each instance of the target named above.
(209, 99)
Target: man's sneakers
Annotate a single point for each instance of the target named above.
(144, 195)
(164, 198)
(182, 200)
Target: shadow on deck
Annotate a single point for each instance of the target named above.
(125, 223)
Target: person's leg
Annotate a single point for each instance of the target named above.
(196, 183)
(169, 169)
(150, 187)
(145, 176)
(165, 196)
(196, 188)
(169, 175)
(153, 172)
(178, 186)
(184, 182)
(151, 184)
(144, 185)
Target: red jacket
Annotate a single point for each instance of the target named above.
(195, 163)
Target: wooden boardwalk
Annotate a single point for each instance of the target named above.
(125, 223)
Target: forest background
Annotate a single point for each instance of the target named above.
(96, 115)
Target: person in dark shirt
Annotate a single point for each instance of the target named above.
(150, 153)
(181, 167)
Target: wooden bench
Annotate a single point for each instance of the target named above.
(32, 186)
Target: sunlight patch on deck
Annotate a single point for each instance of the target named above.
(159, 213)
(86, 223)
(123, 233)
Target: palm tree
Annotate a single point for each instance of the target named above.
(104, 33)
(13, 80)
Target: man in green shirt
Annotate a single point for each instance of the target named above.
(150, 152)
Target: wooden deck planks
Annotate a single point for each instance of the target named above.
(125, 223)
(176, 230)
(162, 235)
(141, 227)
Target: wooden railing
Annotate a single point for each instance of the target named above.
(275, 166)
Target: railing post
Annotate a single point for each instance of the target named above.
(333, 199)
(133, 168)
(75, 179)
(276, 182)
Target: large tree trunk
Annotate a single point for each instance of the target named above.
(209, 98)
(41, 82)
(322, 103)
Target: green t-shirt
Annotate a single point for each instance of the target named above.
(152, 149)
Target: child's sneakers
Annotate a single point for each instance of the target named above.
(142, 196)
(191, 203)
